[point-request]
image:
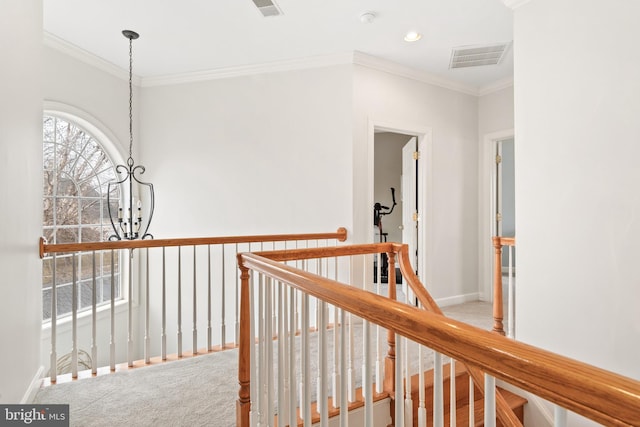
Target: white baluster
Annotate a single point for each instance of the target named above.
(179, 334)
(343, 371)
(489, 401)
(147, 304)
(283, 371)
(194, 330)
(472, 400)
(559, 416)
(351, 371)
(94, 303)
(53, 356)
(74, 320)
(130, 348)
(399, 395)
(209, 308)
(292, 358)
(237, 300)
(253, 361)
(452, 393)
(323, 393)
(163, 337)
(408, 399)
(367, 368)
(512, 317)
(112, 337)
(438, 399)
(305, 405)
(336, 386)
(223, 327)
(422, 409)
(269, 310)
(261, 404)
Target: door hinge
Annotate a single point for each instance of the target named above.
(498, 216)
(414, 217)
(416, 155)
(498, 159)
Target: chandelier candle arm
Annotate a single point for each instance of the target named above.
(130, 222)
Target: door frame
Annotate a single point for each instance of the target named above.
(424, 135)
(486, 217)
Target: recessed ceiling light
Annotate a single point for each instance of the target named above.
(412, 36)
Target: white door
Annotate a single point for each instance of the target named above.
(409, 202)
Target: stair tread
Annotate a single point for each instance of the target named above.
(514, 401)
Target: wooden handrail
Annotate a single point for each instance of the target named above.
(595, 393)
(45, 248)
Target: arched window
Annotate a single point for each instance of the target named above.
(77, 170)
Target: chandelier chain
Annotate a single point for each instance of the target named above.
(130, 97)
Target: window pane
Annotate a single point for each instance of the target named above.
(66, 211)
(64, 299)
(67, 235)
(91, 213)
(85, 294)
(47, 272)
(48, 156)
(48, 129)
(47, 214)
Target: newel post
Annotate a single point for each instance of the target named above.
(243, 404)
(498, 311)
(390, 360)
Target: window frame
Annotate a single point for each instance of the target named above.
(112, 148)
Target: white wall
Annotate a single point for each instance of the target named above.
(450, 222)
(259, 154)
(495, 111)
(577, 179)
(21, 195)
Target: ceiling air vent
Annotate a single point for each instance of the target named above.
(267, 7)
(475, 56)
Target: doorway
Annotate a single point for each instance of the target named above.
(396, 192)
(496, 202)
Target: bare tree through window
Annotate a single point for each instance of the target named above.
(77, 171)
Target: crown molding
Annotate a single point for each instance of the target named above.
(356, 58)
(514, 4)
(495, 87)
(89, 58)
(379, 64)
(245, 70)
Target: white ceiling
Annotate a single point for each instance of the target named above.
(187, 36)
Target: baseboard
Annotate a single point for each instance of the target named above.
(30, 394)
(458, 299)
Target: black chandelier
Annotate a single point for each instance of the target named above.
(131, 222)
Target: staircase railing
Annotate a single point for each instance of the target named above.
(170, 286)
(271, 284)
(499, 243)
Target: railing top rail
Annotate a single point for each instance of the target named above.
(45, 248)
(327, 252)
(600, 395)
(504, 241)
